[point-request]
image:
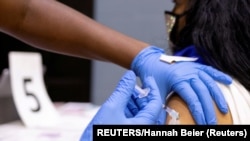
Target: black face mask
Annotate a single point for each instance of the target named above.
(172, 21)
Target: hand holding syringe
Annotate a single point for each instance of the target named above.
(142, 92)
(174, 115)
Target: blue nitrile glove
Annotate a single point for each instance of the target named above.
(113, 110)
(135, 104)
(192, 81)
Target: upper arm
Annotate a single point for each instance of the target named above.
(176, 103)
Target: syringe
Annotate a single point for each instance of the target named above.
(173, 114)
(142, 92)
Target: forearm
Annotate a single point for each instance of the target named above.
(52, 26)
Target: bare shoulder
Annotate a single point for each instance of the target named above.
(176, 103)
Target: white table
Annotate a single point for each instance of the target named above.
(73, 120)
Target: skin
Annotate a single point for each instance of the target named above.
(52, 26)
(175, 102)
(60, 29)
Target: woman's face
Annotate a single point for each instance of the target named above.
(180, 6)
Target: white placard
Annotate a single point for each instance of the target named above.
(31, 98)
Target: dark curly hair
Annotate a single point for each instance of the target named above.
(220, 31)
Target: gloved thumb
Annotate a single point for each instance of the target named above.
(162, 117)
(124, 90)
(152, 110)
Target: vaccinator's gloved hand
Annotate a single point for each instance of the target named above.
(195, 83)
(135, 104)
(113, 110)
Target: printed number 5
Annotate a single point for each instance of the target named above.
(37, 109)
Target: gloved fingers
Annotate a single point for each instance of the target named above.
(136, 103)
(205, 99)
(153, 108)
(154, 93)
(190, 97)
(215, 92)
(128, 113)
(148, 83)
(123, 91)
(162, 117)
(218, 75)
(132, 108)
(140, 102)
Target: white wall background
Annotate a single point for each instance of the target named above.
(141, 19)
